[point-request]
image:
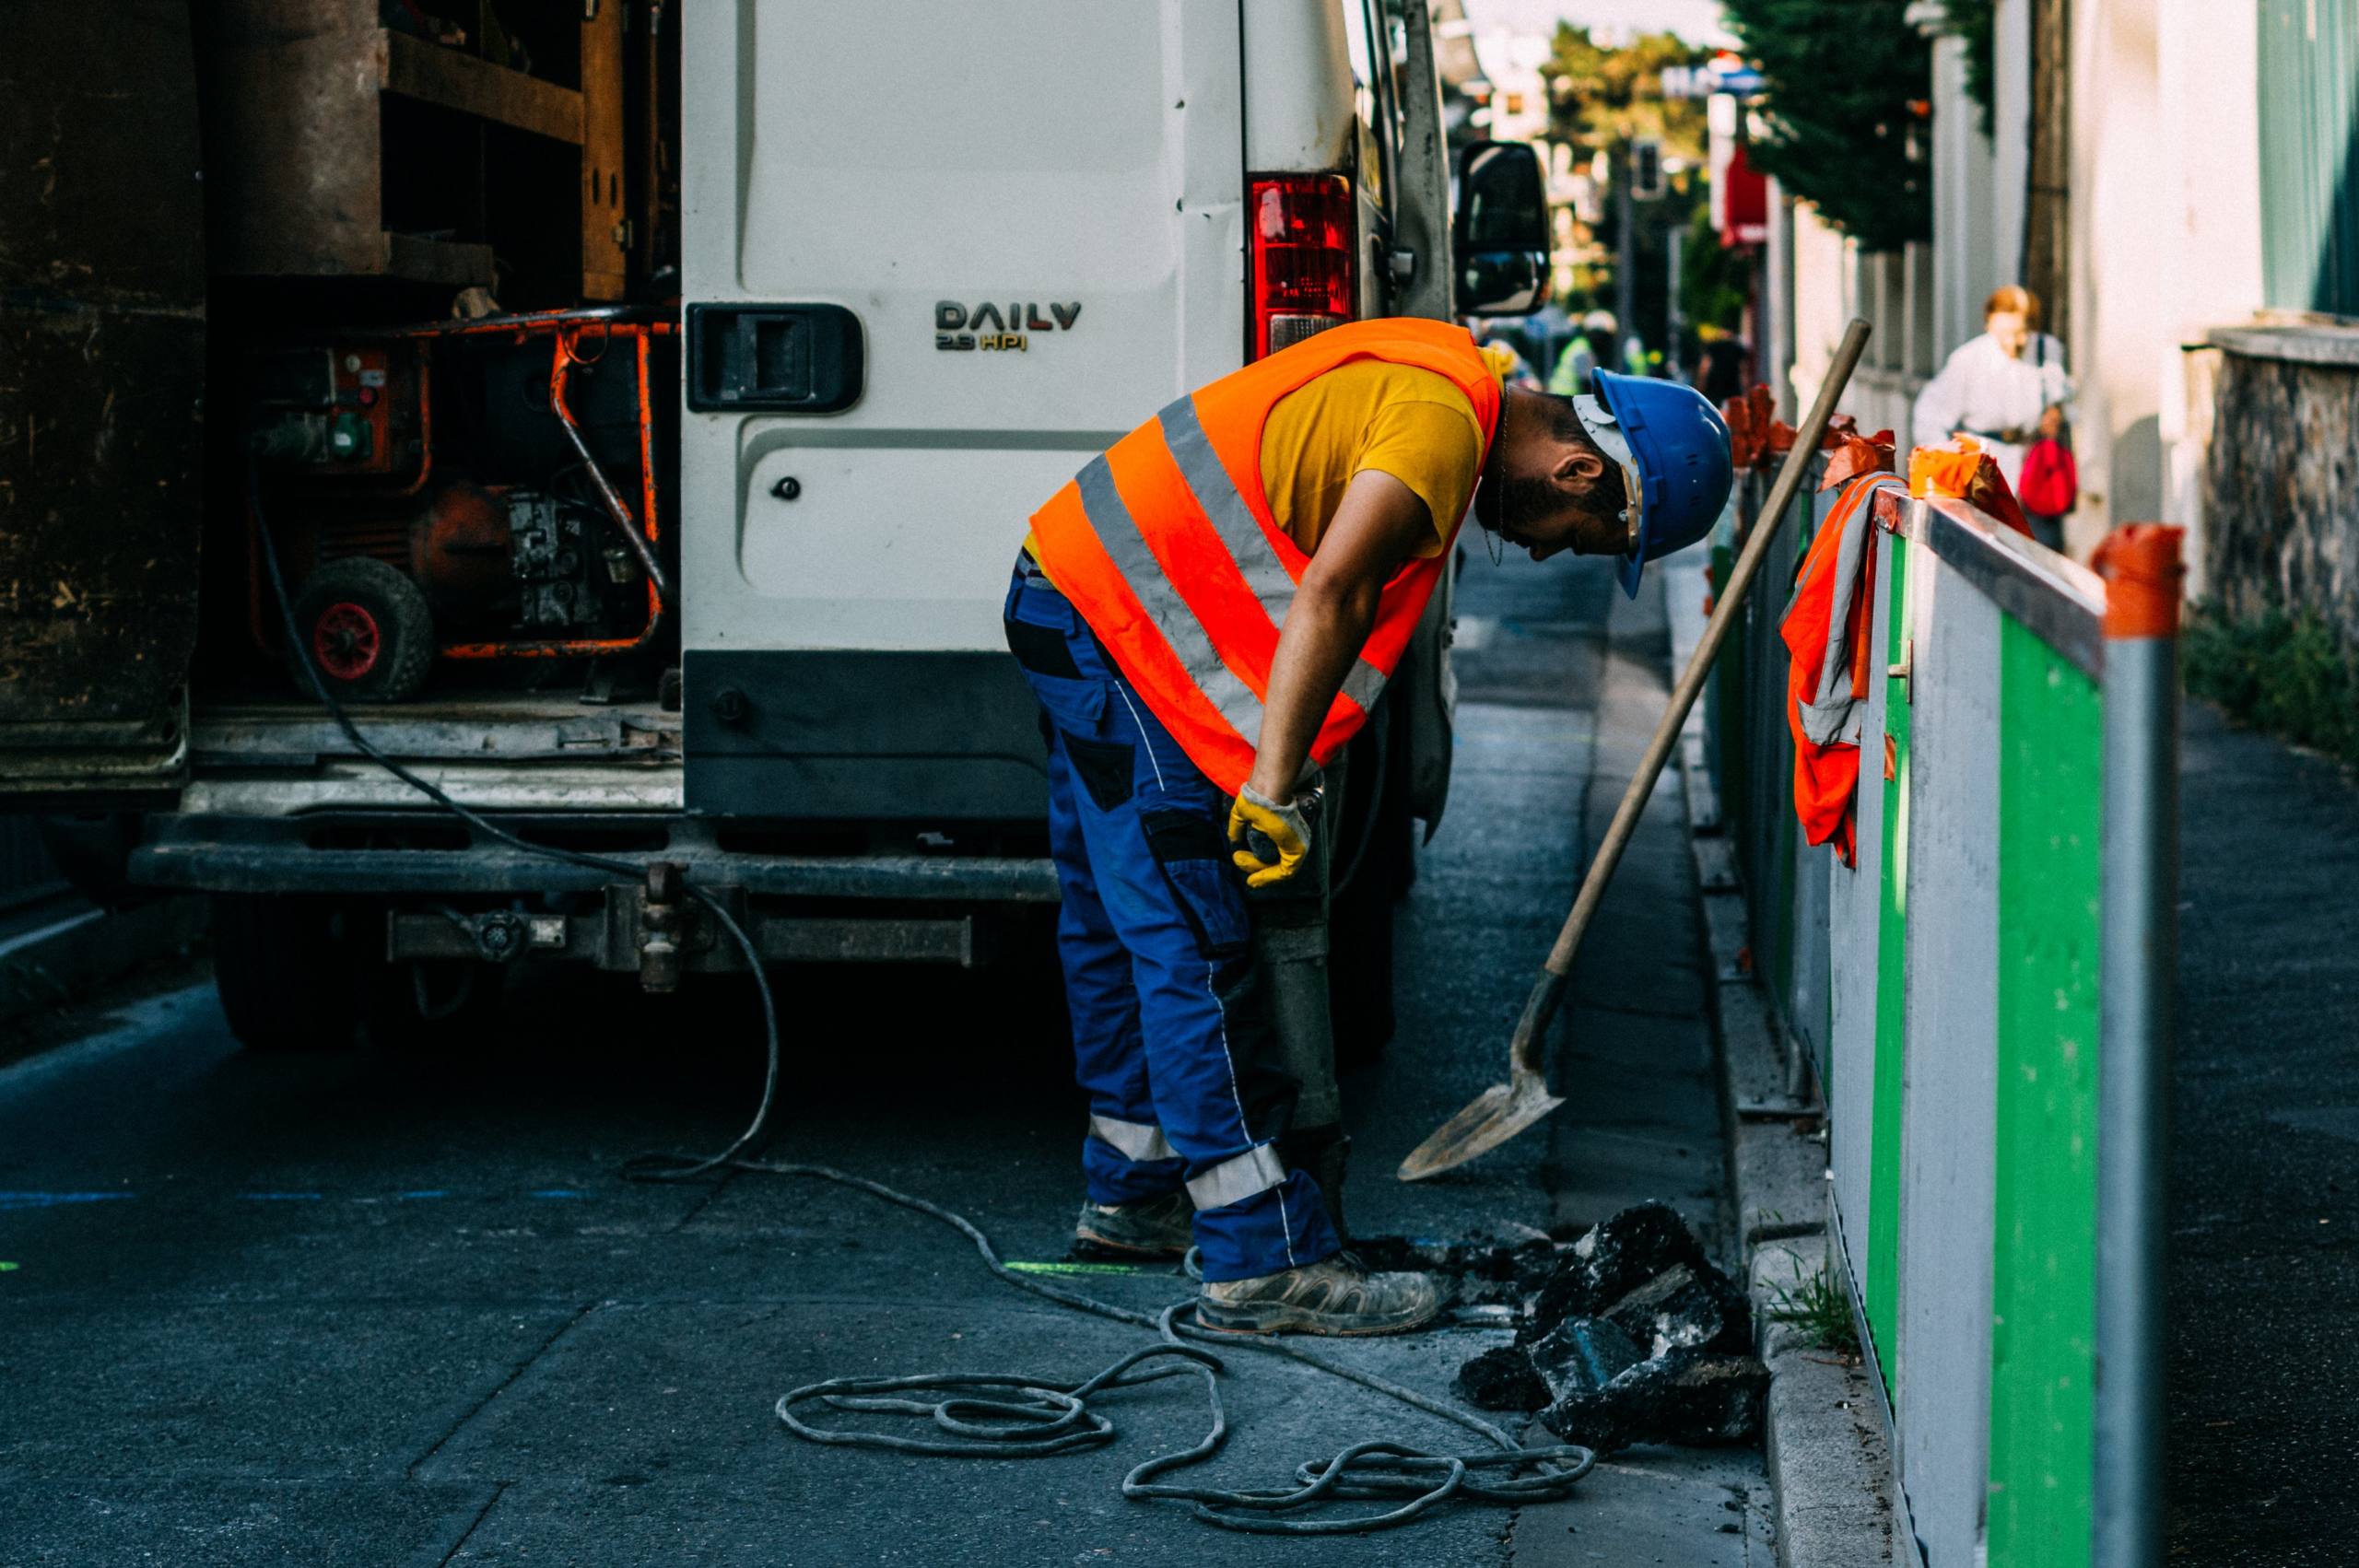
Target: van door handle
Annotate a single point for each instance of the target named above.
(774, 358)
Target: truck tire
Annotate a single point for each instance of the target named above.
(283, 967)
(1359, 974)
(443, 1008)
(1371, 833)
(368, 630)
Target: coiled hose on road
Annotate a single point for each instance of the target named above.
(1035, 1416)
(1013, 1415)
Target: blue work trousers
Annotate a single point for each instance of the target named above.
(1172, 1036)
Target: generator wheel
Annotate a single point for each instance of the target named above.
(367, 629)
(283, 969)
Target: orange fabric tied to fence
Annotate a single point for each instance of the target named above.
(1827, 634)
(1748, 419)
(1963, 471)
(1858, 454)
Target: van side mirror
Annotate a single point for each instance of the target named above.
(1499, 234)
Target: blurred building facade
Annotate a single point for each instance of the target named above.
(2168, 175)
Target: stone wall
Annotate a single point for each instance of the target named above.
(2281, 484)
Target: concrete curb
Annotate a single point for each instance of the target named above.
(80, 950)
(1828, 1464)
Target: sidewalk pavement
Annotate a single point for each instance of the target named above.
(1559, 646)
(1829, 1461)
(2263, 1394)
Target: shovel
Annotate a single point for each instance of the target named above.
(1505, 1110)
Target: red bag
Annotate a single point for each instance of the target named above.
(2051, 480)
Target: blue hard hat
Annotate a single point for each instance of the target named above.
(1682, 448)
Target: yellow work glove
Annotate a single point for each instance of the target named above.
(1284, 827)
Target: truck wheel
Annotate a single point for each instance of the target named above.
(442, 1007)
(368, 630)
(283, 967)
(1359, 914)
(1359, 974)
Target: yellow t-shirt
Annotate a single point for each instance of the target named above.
(1414, 424)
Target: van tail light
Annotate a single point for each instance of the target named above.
(1302, 257)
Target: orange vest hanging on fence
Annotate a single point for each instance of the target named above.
(1165, 545)
(1827, 633)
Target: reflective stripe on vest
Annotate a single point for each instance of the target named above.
(1167, 546)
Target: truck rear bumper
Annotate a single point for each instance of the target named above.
(393, 854)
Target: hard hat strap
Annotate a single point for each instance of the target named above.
(1606, 432)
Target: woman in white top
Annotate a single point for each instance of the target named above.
(2006, 387)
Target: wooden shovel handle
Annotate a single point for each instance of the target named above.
(1691, 681)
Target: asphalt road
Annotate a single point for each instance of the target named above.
(2264, 1208)
(375, 1308)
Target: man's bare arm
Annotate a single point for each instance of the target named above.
(1378, 525)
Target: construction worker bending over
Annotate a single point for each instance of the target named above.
(1206, 615)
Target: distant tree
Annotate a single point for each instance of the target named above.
(1715, 280)
(1599, 96)
(1848, 86)
(1977, 22)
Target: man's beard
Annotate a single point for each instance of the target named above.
(1524, 499)
(1509, 505)
(1506, 505)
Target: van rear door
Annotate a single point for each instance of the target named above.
(101, 382)
(934, 257)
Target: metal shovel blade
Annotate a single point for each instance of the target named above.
(1494, 1117)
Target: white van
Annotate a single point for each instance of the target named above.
(929, 259)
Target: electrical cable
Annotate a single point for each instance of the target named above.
(650, 1166)
(1037, 1416)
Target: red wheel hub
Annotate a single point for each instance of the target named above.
(347, 641)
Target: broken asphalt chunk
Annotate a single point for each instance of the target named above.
(1634, 1337)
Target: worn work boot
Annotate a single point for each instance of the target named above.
(1334, 1296)
(1153, 1227)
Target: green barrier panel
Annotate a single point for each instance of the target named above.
(2051, 784)
(2004, 935)
(1887, 1045)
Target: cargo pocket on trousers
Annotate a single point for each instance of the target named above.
(1041, 649)
(1104, 768)
(1193, 856)
(1072, 699)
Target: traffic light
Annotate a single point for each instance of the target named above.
(1646, 169)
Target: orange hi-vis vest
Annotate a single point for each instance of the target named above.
(1165, 545)
(1827, 631)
